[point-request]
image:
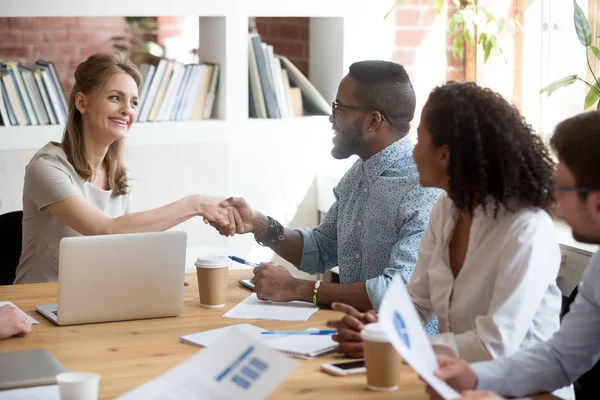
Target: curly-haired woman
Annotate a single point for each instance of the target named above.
(489, 258)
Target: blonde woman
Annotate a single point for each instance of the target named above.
(80, 186)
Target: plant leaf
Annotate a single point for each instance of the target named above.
(135, 42)
(518, 25)
(121, 48)
(147, 23)
(598, 106)
(457, 46)
(581, 25)
(469, 25)
(592, 97)
(152, 48)
(439, 5)
(454, 22)
(515, 26)
(467, 37)
(562, 82)
(487, 48)
(482, 38)
(596, 51)
(512, 29)
(488, 15)
(500, 24)
(398, 3)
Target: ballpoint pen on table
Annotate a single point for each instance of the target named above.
(306, 332)
(242, 261)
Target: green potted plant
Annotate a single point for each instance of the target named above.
(472, 25)
(584, 34)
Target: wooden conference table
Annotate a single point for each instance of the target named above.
(128, 354)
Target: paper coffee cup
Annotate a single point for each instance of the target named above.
(78, 385)
(212, 280)
(381, 359)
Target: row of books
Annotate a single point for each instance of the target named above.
(31, 96)
(277, 89)
(173, 91)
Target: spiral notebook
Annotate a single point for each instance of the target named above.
(306, 347)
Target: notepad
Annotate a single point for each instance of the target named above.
(28, 368)
(254, 308)
(306, 347)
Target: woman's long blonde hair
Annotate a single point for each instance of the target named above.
(90, 75)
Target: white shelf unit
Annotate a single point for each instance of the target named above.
(337, 38)
(142, 134)
(272, 163)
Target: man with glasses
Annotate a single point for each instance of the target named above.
(575, 348)
(373, 229)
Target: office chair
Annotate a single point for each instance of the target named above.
(11, 230)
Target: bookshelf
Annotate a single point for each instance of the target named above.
(272, 163)
(335, 41)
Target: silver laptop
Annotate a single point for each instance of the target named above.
(118, 277)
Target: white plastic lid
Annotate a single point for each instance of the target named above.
(374, 333)
(77, 377)
(212, 262)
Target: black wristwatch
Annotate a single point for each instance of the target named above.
(274, 234)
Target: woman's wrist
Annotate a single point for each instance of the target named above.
(197, 202)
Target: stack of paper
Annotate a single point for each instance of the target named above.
(253, 308)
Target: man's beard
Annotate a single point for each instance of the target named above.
(586, 239)
(348, 142)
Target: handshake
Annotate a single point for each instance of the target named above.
(272, 282)
(228, 216)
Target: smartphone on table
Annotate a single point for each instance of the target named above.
(344, 368)
(247, 283)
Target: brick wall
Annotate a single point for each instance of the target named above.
(64, 41)
(169, 26)
(414, 23)
(289, 37)
(423, 47)
(67, 41)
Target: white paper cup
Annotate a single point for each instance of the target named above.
(212, 280)
(78, 385)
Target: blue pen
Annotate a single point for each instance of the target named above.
(319, 332)
(242, 261)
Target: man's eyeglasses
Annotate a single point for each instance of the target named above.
(578, 189)
(336, 105)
